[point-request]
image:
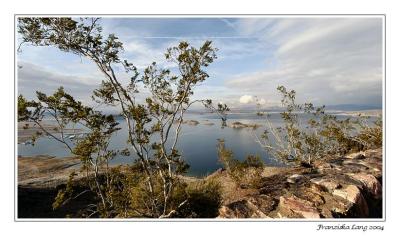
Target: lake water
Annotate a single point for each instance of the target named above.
(197, 143)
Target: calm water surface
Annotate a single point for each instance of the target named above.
(197, 143)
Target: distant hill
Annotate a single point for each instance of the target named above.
(253, 109)
(338, 107)
(353, 107)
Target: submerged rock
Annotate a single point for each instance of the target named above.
(191, 122)
(240, 125)
(208, 123)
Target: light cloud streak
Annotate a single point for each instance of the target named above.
(329, 61)
(326, 60)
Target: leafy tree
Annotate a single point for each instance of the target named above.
(221, 110)
(92, 148)
(321, 135)
(153, 126)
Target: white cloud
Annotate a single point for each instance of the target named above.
(262, 101)
(326, 60)
(246, 99)
(142, 54)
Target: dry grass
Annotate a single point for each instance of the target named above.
(231, 192)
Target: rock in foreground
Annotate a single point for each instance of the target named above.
(348, 187)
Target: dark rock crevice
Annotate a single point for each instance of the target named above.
(347, 187)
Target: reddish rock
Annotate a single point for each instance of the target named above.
(353, 194)
(241, 209)
(370, 183)
(292, 204)
(295, 178)
(327, 184)
(357, 155)
(342, 187)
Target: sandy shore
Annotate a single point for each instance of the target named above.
(45, 171)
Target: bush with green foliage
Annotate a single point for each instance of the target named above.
(204, 198)
(321, 136)
(369, 136)
(153, 125)
(246, 173)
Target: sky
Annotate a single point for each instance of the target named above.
(331, 61)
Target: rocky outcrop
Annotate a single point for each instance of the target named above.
(241, 209)
(45, 171)
(208, 123)
(190, 122)
(370, 184)
(346, 187)
(296, 207)
(327, 185)
(240, 125)
(353, 194)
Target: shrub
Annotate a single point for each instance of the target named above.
(153, 125)
(246, 173)
(370, 136)
(322, 135)
(204, 199)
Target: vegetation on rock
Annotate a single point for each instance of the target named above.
(152, 184)
(148, 188)
(320, 136)
(245, 173)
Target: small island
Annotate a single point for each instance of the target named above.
(125, 119)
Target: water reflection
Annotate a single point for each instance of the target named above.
(197, 143)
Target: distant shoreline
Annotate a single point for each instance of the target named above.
(372, 113)
(27, 129)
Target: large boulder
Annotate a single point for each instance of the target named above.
(294, 207)
(357, 155)
(241, 209)
(353, 194)
(296, 178)
(370, 184)
(338, 187)
(328, 185)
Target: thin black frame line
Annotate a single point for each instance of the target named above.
(15, 121)
(16, 219)
(384, 130)
(199, 14)
(322, 220)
